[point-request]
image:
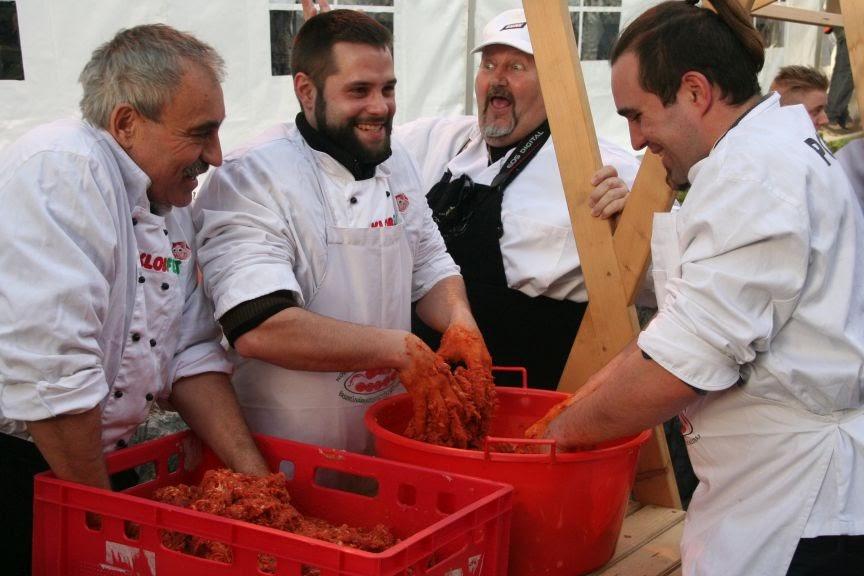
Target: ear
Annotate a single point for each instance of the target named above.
(306, 93)
(696, 91)
(123, 125)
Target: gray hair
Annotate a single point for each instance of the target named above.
(142, 67)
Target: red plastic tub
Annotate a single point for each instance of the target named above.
(447, 524)
(568, 507)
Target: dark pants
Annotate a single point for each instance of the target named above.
(840, 90)
(828, 556)
(20, 461)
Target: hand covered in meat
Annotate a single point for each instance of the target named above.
(450, 408)
(461, 344)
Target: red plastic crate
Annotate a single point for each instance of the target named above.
(449, 525)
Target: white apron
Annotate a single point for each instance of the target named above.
(367, 281)
(760, 463)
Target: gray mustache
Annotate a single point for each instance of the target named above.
(196, 169)
(498, 92)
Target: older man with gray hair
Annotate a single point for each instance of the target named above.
(107, 316)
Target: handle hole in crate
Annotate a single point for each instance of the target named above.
(134, 476)
(407, 494)
(131, 530)
(93, 521)
(173, 462)
(446, 503)
(287, 468)
(346, 482)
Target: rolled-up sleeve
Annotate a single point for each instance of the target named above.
(199, 347)
(58, 255)
(246, 245)
(734, 292)
(432, 262)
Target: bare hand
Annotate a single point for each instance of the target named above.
(310, 10)
(609, 195)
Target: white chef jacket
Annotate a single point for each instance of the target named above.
(99, 299)
(766, 292)
(261, 225)
(537, 247)
(851, 157)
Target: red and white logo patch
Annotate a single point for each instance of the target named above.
(370, 381)
(402, 202)
(181, 250)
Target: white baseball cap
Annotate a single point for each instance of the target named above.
(509, 28)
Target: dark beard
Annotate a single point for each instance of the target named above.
(345, 137)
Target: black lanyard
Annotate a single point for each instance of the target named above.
(522, 154)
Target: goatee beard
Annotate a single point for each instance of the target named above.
(344, 135)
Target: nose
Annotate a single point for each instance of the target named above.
(637, 139)
(212, 152)
(379, 104)
(821, 120)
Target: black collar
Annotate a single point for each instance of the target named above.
(321, 143)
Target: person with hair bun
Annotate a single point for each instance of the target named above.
(759, 339)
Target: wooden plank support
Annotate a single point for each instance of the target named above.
(757, 4)
(613, 323)
(632, 243)
(799, 16)
(578, 158)
(853, 14)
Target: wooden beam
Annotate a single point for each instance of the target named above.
(632, 243)
(578, 155)
(757, 4)
(853, 14)
(799, 16)
(655, 481)
(613, 322)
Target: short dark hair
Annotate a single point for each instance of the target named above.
(676, 37)
(312, 52)
(800, 78)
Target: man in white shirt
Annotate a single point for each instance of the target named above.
(107, 316)
(806, 86)
(315, 240)
(760, 335)
(496, 194)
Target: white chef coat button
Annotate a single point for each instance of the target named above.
(134, 221)
(353, 200)
(149, 397)
(164, 286)
(136, 336)
(388, 193)
(152, 343)
(118, 394)
(165, 231)
(140, 279)
(121, 443)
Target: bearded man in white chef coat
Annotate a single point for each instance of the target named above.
(315, 240)
(100, 310)
(760, 335)
(496, 194)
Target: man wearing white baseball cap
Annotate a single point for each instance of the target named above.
(497, 197)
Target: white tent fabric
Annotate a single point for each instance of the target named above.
(432, 41)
